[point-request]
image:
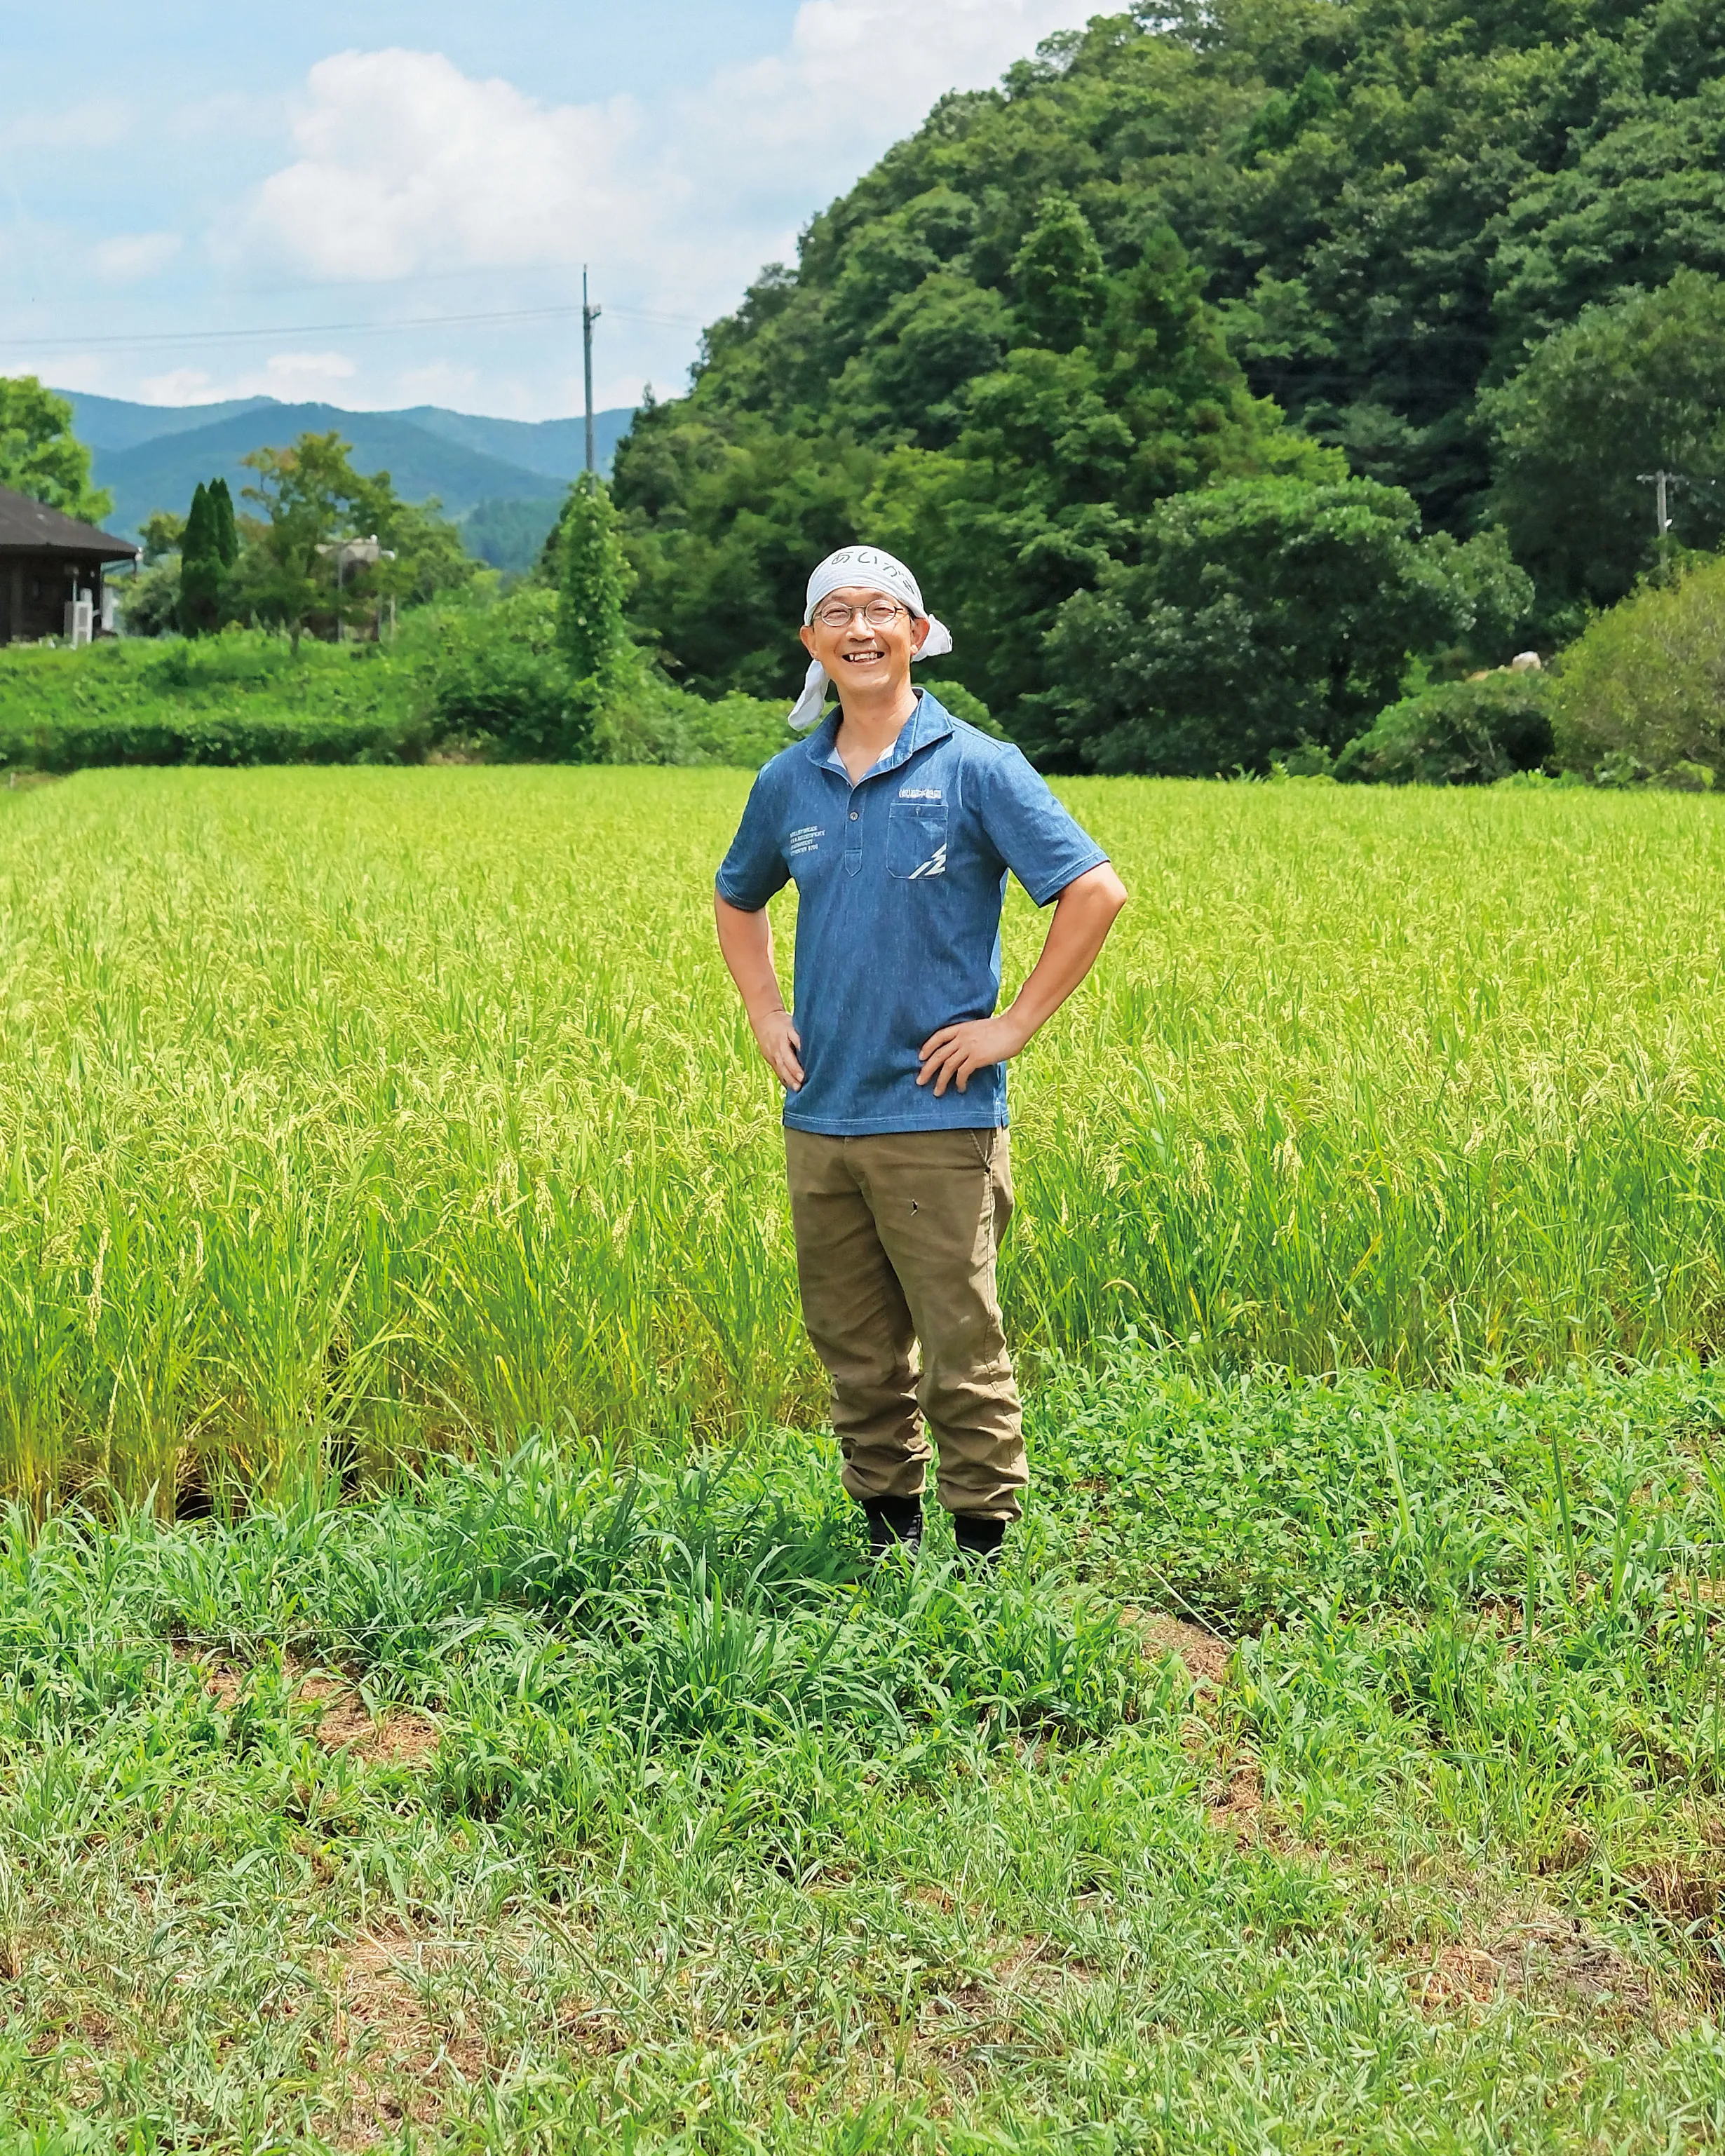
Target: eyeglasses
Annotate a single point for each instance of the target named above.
(878, 613)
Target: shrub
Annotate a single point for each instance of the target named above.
(1456, 733)
(238, 698)
(648, 719)
(496, 673)
(1639, 696)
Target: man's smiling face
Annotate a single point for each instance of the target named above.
(863, 655)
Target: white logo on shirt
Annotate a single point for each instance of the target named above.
(805, 840)
(935, 864)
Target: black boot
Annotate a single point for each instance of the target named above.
(978, 1539)
(893, 1521)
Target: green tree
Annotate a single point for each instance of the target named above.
(41, 456)
(200, 571)
(727, 518)
(311, 500)
(595, 581)
(429, 555)
(151, 595)
(162, 534)
(306, 497)
(227, 530)
(1629, 388)
(1063, 460)
(1058, 275)
(1383, 203)
(1267, 617)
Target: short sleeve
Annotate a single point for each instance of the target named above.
(1043, 844)
(755, 867)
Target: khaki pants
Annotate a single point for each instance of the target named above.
(897, 1241)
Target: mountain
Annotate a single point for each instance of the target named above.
(112, 423)
(556, 448)
(151, 456)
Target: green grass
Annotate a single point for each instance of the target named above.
(623, 1816)
(345, 1112)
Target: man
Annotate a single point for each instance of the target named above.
(898, 824)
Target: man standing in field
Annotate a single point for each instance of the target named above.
(898, 824)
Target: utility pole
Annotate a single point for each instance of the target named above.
(589, 315)
(1661, 482)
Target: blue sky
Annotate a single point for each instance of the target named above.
(311, 201)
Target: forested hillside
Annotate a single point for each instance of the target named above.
(1274, 242)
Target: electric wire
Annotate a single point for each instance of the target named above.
(155, 340)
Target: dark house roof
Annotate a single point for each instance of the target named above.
(27, 527)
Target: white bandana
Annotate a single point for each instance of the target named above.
(869, 567)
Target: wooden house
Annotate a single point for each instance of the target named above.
(51, 572)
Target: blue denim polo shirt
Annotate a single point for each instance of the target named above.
(900, 880)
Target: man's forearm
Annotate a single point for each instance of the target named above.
(1084, 913)
(746, 944)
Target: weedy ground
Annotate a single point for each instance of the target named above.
(1330, 1767)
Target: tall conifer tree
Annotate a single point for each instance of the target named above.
(201, 566)
(221, 502)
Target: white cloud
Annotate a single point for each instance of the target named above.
(406, 162)
(181, 385)
(406, 165)
(129, 256)
(296, 377)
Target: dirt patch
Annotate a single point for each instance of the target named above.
(1236, 1808)
(1460, 1975)
(222, 1683)
(408, 2045)
(399, 1737)
(1205, 1654)
(1549, 1957)
(932, 1897)
(343, 1721)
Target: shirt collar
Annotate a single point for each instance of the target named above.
(928, 722)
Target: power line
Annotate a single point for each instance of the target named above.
(155, 340)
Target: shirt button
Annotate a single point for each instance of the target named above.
(853, 815)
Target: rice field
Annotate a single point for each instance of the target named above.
(349, 1113)
(445, 1706)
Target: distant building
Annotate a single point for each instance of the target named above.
(348, 555)
(51, 574)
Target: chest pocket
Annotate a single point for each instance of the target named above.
(915, 840)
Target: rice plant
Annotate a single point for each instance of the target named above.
(346, 1114)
